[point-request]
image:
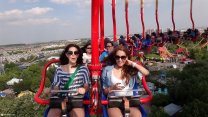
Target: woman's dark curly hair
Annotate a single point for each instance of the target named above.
(64, 59)
(85, 46)
(127, 71)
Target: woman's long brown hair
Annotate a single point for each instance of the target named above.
(127, 71)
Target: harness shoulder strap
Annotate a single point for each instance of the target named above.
(69, 82)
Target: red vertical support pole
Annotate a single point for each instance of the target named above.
(101, 25)
(142, 18)
(94, 31)
(172, 15)
(127, 19)
(95, 67)
(156, 14)
(114, 19)
(191, 16)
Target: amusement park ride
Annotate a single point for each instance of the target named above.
(94, 101)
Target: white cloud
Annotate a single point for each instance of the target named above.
(38, 10)
(79, 3)
(32, 1)
(29, 16)
(62, 1)
(34, 21)
(28, 1)
(13, 12)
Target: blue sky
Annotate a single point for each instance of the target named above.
(29, 21)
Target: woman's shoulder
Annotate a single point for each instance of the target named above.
(60, 68)
(109, 67)
(83, 67)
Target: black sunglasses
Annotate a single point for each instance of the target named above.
(72, 52)
(108, 46)
(118, 57)
(89, 48)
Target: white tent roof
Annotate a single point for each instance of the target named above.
(13, 80)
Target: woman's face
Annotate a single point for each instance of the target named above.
(72, 54)
(89, 49)
(120, 58)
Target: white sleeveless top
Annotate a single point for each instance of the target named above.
(115, 80)
(86, 58)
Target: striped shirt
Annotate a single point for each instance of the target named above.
(61, 78)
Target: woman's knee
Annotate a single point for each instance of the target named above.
(77, 112)
(54, 112)
(135, 112)
(114, 112)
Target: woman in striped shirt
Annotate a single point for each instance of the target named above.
(70, 59)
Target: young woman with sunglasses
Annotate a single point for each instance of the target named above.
(87, 53)
(121, 75)
(70, 59)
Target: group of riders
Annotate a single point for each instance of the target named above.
(119, 74)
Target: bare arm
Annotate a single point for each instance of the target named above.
(84, 89)
(140, 68)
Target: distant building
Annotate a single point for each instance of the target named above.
(23, 66)
(172, 109)
(164, 92)
(52, 57)
(24, 93)
(2, 94)
(151, 86)
(1, 69)
(14, 80)
(8, 91)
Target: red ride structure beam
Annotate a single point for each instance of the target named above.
(42, 85)
(95, 66)
(142, 18)
(191, 16)
(127, 19)
(101, 25)
(114, 19)
(94, 31)
(172, 16)
(156, 15)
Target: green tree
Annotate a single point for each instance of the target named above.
(21, 107)
(157, 112)
(160, 100)
(3, 80)
(22, 86)
(196, 108)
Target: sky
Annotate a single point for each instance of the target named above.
(31, 21)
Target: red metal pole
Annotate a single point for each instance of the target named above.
(42, 85)
(172, 15)
(156, 14)
(101, 25)
(94, 31)
(191, 16)
(127, 19)
(142, 18)
(95, 66)
(114, 20)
